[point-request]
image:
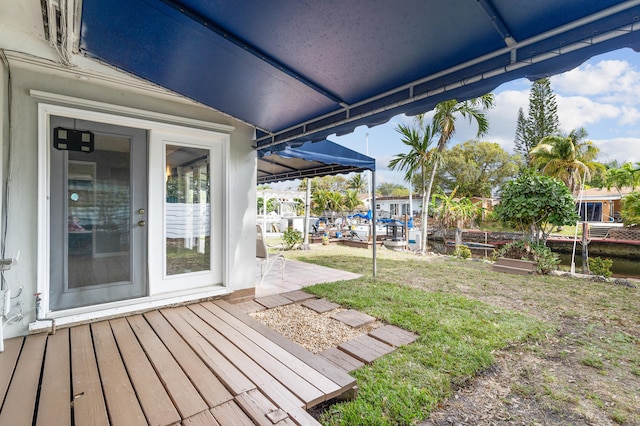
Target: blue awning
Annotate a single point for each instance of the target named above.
(302, 70)
(289, 161)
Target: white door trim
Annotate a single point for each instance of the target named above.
(44, 193)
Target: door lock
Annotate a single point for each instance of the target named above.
(142, 223)
(140, 211)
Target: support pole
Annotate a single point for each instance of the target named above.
(373, 220)
(307, 205)
(585, 247)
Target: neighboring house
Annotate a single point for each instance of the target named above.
(285, 214)
(399, 206)
(123, 196)
(601, 204)
(390, 206)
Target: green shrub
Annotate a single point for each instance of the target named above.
(600, 266)
(462, 251)
(291, 237)
(546, 259)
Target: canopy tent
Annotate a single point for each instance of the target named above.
(289, 161)
(294, 161)
(302, 70)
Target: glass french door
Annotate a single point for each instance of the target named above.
(98, 216)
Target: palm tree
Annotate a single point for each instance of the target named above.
(444, 121)
(625, 175)
(567, 158)
(335, 203)
(631, 209)
(419, 139)
(351, 200)
(320, 201)
(358, 183)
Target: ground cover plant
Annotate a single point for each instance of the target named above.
(493, 349)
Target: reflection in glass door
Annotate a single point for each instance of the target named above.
(187, 210)
(98, 211)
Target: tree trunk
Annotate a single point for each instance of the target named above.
(458, 236)
(425, 205)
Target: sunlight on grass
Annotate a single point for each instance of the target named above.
(457, 337)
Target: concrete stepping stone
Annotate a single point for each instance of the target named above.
(341, 359)
(394, 336)
(273, 301)
(298, 295)
(353, 318)
(366, 348)
(320, 305)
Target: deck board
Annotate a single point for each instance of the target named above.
(55, 395)
(18, 408)
(231, 410)
(88, 401)
(184, 395)
(318, 363)
(232, 377)
(122, 403)
(154, 400)
(277, 392)
(261, 378)
(8, 362)
(205, 381)
(280, 364)
(165, 367)
(320, 381)
(262, 411)
(201, 419)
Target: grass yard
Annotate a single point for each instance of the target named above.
(493, 347)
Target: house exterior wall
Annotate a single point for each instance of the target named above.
(22, 222)
(397, 206)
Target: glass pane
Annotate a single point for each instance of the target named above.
(98, 203)
(187, 210)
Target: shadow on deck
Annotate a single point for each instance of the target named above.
(203, 364)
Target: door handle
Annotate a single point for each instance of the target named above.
(142, 223)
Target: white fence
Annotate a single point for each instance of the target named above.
(188, 221)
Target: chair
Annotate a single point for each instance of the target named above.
(266, 259)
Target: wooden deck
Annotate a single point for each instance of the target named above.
(203, 364)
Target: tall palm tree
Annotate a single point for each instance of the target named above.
(444, 121)
(419, 139)
(567, 158)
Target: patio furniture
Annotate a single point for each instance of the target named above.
(266, 258)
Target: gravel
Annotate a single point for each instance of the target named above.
(311, 330)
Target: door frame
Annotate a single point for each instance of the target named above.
(137, 283)
(157, 296)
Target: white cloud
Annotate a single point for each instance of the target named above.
(610, 81)
(620, 149)
(630, 116)
(579, 111)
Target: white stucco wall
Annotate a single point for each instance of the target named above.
(22, 222)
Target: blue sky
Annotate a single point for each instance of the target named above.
(602, 95)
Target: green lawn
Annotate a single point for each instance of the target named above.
(464, 312)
